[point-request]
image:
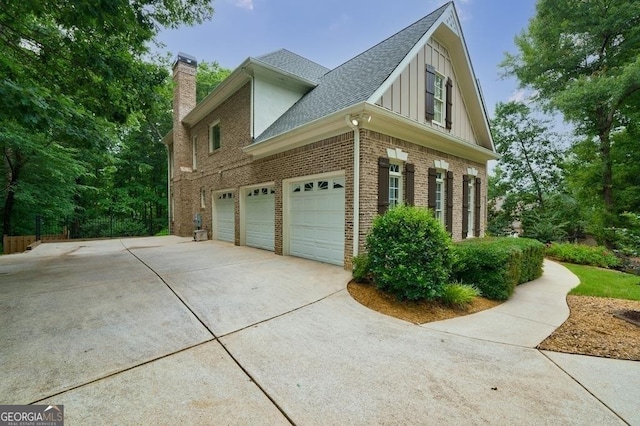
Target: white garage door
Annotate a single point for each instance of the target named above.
(317, 219)
(260, 214)
(224, 217)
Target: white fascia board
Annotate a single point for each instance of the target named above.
(168, 138)
(474, 79)
(322, 128)
(407, 59)
(383, 121)
(238, 78)
(393, 124)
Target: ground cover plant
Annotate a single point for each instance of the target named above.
(582, 255)
(605, 283)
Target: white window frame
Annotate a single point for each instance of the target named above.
(439, 99)
(471, 201)
(203, 198)
(441, 192)
(194, 152)
(395, 176)
(211, 136)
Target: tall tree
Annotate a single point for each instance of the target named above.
(582, 58)
(72, 72)
(531, 157)
(209, 75)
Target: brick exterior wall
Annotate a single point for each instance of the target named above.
(374, 145)
(229, 168)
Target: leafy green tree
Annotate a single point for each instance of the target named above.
(73, 72)
(531, 158)
(582, 58)
(209, 75)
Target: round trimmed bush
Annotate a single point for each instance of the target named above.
(409, 253)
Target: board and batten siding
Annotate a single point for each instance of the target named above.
(406, 96)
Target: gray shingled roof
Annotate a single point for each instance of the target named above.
(294, 64)
(354, 81)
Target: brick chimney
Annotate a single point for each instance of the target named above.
(184, 100)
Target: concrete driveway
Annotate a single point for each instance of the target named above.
(165, 330)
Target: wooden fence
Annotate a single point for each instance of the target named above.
(17, 244)
(22, 242)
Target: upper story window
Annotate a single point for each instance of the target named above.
(194, 151)
(438, 99)
(395, 184)
(214, 136)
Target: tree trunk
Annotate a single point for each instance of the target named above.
(9, 201)
(607, 182)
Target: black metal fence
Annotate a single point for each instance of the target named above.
(112, 226)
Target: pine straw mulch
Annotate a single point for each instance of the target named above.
(591, 329)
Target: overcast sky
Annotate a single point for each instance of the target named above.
(331, 32)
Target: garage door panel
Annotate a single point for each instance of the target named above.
(225, 222)
(317, 220)
(260, 218)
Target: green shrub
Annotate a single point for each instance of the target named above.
(582, 255)
(361, 270)
(496, 265)
(409, 253)
(458, 295)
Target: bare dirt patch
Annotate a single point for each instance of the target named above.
(593, 329)
(417, 312)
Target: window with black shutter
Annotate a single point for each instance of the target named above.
(465, 206)
(430, 91)
(449, 201)
(410, 179)
(383, 185)
(449, 108)
(476, 219)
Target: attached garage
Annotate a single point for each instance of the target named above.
(316, 219)
(224, 222)
(259, 217)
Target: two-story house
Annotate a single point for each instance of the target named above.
(289, 156)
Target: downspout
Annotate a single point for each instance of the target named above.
(169, 206)
(356, 183)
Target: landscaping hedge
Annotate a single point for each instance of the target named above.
(496, 265)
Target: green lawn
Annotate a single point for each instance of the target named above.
(605, 283)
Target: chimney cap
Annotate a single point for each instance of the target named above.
(186, 59)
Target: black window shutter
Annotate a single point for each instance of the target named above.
(465, 206)
(478, 201)
(410, 191)
(431, 189)
(449, 202)
(383, 185)
(430, 89)
(449, 109)
(216, 137)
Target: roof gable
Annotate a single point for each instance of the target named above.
(356, 80)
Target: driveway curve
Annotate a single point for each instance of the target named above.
(164, 330)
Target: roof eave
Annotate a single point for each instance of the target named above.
(383, 121)
(238, 78)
